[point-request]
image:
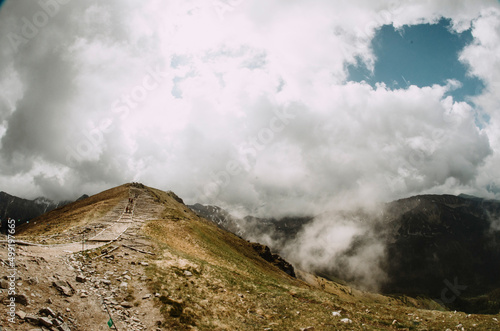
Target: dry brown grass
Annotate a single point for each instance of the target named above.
(78, 213)
(232, 288)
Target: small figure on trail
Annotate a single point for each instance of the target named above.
(126, 210)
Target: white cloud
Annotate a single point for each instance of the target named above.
(221, 70)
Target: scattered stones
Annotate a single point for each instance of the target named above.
(124, 285)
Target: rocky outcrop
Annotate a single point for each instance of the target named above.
(274, 259)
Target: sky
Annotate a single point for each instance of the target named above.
(282, 107)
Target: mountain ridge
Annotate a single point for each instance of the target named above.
(155, 264)
(428, 240)
(24, 210)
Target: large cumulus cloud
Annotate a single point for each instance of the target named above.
(236, 102)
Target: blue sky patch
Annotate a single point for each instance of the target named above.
(421, 55)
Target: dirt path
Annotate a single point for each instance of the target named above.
(117, 279)
(112, 232)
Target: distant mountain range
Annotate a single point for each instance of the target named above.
(443, 247)
(23, 210)
(250, 227)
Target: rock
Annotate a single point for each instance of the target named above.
(21, 314)
(22, 299)
(147, 296)
(124, 285)
(188, 273)
(144, 264)
(346, 320)
(31, 319)
(80, 279)
(63, 327)
(275, 259)
(47, 311)
(309, 328)
(64, 287)
(33, 280)
(45, 321)
(4, 284)
(126, 304)
(127, 277)
(336, 313)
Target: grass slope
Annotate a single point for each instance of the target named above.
(209, 279)
(74, 214)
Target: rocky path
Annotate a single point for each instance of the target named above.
(60, 287)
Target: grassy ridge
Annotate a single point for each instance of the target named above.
(79, 212)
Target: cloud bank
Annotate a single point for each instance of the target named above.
(238, 103)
